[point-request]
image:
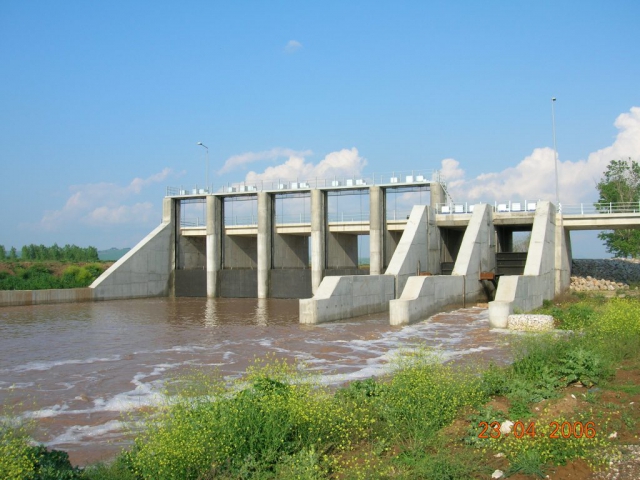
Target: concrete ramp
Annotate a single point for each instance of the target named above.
(347, 296)
(528, 291)
(425, 296)
(145, 271)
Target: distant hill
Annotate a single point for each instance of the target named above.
(113, 254)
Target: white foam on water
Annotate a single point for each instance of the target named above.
(64, 386)
(78, 434)
(15, 386)
(44, 366)
(48, 412)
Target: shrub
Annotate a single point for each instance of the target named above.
(16, 455)
(424, 396)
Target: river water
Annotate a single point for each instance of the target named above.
(75, 369)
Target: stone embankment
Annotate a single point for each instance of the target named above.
(610, 274)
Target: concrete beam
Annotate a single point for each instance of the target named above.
(602, 221)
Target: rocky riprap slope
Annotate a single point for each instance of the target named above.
(610, 274)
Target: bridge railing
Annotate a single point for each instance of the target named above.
(404, 177)
(600, 208)
(192, 222)
(500, 207)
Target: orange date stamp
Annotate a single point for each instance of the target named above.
(520, 429)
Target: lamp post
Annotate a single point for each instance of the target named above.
(207, 176)
(555, 150)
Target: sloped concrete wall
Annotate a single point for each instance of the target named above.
(528, 291)
(410, 256)
(348, 296)
(144, 271)
(425, 296)
(477, 252)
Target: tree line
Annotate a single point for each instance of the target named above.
(68, 253)
(621, 184)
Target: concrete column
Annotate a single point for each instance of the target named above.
(433, 243)
(215, 230)
(170, 215)
(318, 237)
(168, 209)
(562, 257)
(437, 194)
(377, 222)
(265, 236)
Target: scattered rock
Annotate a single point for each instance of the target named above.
(530, 323)
(609, 274)
(497, 474)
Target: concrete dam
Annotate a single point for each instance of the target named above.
(441, 255)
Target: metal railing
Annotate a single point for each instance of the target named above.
(405, 177)
(600, 208)
(500, 207)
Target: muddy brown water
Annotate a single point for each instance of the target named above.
(78, 369)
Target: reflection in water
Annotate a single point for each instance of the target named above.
(210, 318)
(262, 312)
(77, 367)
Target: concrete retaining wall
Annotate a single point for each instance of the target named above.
(425, 296)
(11, 298)
(528, 291)
(145, 271)
(348, 296)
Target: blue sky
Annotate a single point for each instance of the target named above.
(102, 103)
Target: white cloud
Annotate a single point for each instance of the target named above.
(101, 204)
(292, 46)
(138, 213)
(534, 177)
(343, 163)
(243, 159)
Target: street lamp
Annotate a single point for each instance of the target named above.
(555, 150)
(207, 177)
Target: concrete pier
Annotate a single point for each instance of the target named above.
(377, 231)
(214, 247)
(265, 237)
(318, 237)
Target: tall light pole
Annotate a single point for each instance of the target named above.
(207, 177)
(555, 150)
